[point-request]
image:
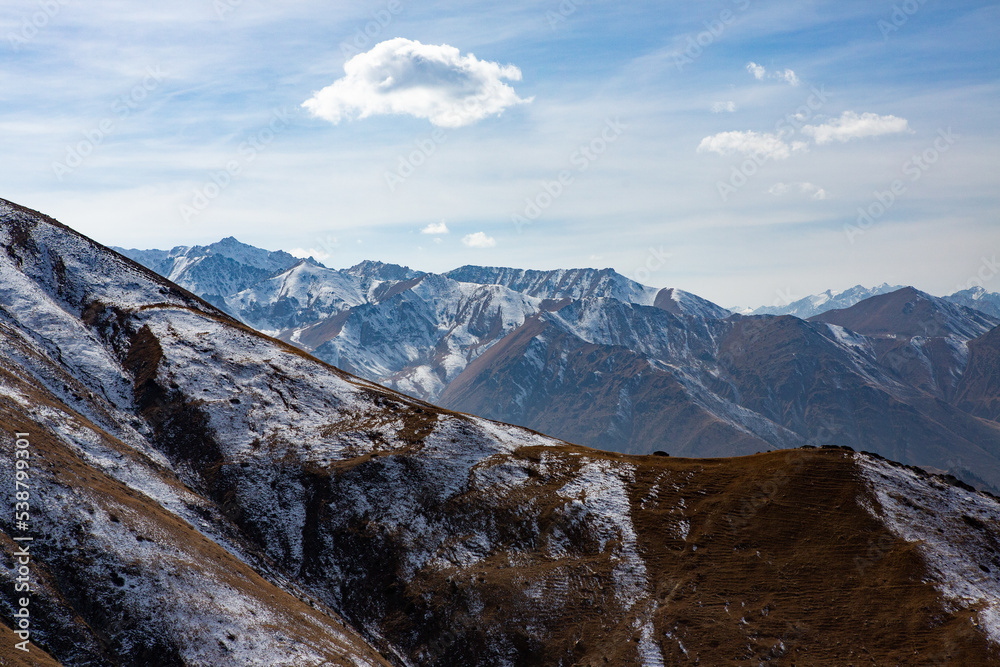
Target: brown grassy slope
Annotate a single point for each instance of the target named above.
(787, 556)
(782, 566)
(35, 657)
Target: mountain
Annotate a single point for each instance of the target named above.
(590, 356)
(576, 284)
(978, 299)
(215, 270)
(820, 303)
(202, 494)
(923, 339)
(978, 392)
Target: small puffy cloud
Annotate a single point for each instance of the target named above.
(814, 191)
(720, 107)
(403, 76)
(853, 126)
(758, 71)
(479, 240)
(763, 144)
(788, 76)
(435, 228)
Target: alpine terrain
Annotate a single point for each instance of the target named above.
(202, 494)
(592, 357)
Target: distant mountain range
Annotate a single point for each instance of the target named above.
(592, 357)
(810, 306)
(199, 493)
(820, 303)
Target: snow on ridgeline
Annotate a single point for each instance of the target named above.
(820, 303)
(958, 554)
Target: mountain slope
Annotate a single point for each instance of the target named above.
(921, 338)
(209, 495)
(978, 392)
(130, 567)
(590, 356)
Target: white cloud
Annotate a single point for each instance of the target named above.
(852, 126)
(719, 107)
(435, 228)
(788, 76)
(748, 143)
(403, 76)
(758, 71)
(479, 240)
(815, 192)
(305, 253)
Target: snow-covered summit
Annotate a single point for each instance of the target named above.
(815, 304)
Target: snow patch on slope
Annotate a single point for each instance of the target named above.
(959, 554)
(599, 492)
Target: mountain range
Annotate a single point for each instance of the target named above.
(204, 494)
(592, 357)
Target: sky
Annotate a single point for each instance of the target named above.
(750, 152)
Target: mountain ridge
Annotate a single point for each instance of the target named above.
(592, 357)
(210, 495)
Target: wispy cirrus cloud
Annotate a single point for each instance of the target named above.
(403, 76)
(851, 125)
(805, 188)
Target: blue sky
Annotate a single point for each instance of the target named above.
(732, 142)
